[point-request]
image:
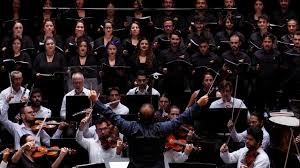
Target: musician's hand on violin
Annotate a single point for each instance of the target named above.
(297, 140)
(6, 153)
(18, 117)
(224, 148)
(93, 96)
(243, 166)
(63, 152)
(62, 125)
(190, 135)
(120, 146)
(230, 125)
(27, 146)
(188, 149)
(203, 100)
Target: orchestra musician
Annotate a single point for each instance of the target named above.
(171, 155)
(256, 120)
(4, 162)
(106, 146)
(36, 104)
(251, 156)
(145, 134)
(28, 118)
(15, 93)
(24, 157)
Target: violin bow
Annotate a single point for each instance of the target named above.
(235, 90)
(237, 116)
(10, 83)
(38, 133)
(31, 89)
(296, 146)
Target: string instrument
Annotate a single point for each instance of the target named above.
(177, 144)
(49, 125)
(110, 142)
(250, 158)
(52, 151)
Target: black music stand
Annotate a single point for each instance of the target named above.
(217, 119)
(192, 165)
(134, 102)
(14, 109)
(76, 104)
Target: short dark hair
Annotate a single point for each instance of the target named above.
(259, 116)
(102, 120)
(174, 107)
(23, 139)
(268, 35)
(297, 33)
(141, 73)
(34, 91)
(256, 133)
(109, 90)
(264, 17)
(224, 84)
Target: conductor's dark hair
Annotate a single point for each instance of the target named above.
(224, 84)
(256, 133)
(23, 139)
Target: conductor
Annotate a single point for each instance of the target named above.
(145, 133)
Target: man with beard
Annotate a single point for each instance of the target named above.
(28, 118)
(250, 156)
(36, 99)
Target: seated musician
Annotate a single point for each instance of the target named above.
(118, 108)
(146, 138)
(15, 93)
(163, 108)
(36, 100)
(108, 145)
(256, 121)
(24, 157)
(250, 156)
(4, 162)
(142, 87)
(227, 101)
(28, 118)
(206, 82)
(171, 155)
(79, 90)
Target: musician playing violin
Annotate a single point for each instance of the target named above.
(251, 156)
(5, 156)
(36, 100)
(108, 145)
(28, 120)
(171, 155)
(23, 158)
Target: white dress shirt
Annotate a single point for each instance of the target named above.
(241, 137)
(137, 91)
(261, 161)
(17, 131)
(16, 99)
(96, 153)
(120, 109)
(237, 103)
(43, 112)
(85, 92)
(171, 156)
(3, 164)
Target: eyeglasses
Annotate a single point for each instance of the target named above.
(101, 129)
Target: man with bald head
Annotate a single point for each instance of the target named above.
(79, 90)
(146, 138)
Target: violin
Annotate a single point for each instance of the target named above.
(250, 158)
(177, 144)
(52, 151)
(49, 125)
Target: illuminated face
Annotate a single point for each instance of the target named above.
(284, 4)
(267, 44)
(203, 47)
(135, 29)
(163, 103)
(18, 29)
(110, 11)
(174, 113)
(207, 81)
(79, 3)
(114, 95)
(263, 24)
(234, 43)
(103, 130)
(16, 80)
(112, 50)
(144, 45)
(229, 3)
(79, 29)
(50, 45)
(28, 115)
(292, 26)
(201, 4)
(16, 45)
(175, 40)
(36, 99)
(48, 27)
(226, 94)
(258, 5)
(228, 24)
(108, 29)
(254, 122)
(142, 82)
(251, 142)
(32, 142)
(78, 83)
(296, 41)
(168, 4)
(168, 26)
(83, 48)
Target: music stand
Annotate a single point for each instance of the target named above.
(91, 165)
(134, 102)
(192, 165)
(14, 109)
(218, 118)
(116, 162)
(76, 104)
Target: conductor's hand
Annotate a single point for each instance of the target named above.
(230, 125)
(224, 148)
(93, 96)
(203, 100)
